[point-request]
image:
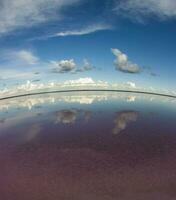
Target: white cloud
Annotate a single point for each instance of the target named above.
(84, 31)
(86, 83)
(80, 81)
(163, 9)
(17, 57)
(19, 65)
(26, 56)
(63, 66)
(6, 74)
(87, 65)
(131, 84)
(123, 64)
(15, 14)
(30, 86)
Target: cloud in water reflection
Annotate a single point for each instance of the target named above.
(57, 141)
(123, 119)
(86, 98)
(70, 116)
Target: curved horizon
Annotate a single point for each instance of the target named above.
(88, 90)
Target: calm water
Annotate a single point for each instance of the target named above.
(88, 146)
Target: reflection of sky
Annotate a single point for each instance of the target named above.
(81, 98)
(113, 141)
(121, 109)
(123, 119)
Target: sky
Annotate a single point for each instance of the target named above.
(120, 43)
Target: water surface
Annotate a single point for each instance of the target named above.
(87, 145)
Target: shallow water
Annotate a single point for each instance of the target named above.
(88, 146)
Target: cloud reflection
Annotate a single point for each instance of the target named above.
(66, 116)
(131, 98)
(33, 132)
(70, 116)
(2, 121)
(37, 101)
(123, 119)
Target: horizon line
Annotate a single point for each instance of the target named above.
(87, 90)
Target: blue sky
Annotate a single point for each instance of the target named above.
(113, 41)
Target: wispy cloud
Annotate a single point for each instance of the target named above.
(17, 57)
(25, 56)
(123, 64)
(6, 74)
(84, 31)
(18, 64)
(15, 14)
(139, 9)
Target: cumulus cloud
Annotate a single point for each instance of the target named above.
(84, 31)
(85, 83)
(80, 81)
(87, 66)
(31, 86)
(123, 119)
(35, 85)
(15, 14)
(63, 66)
(138, 9)
(123, 64)
(131, 85)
